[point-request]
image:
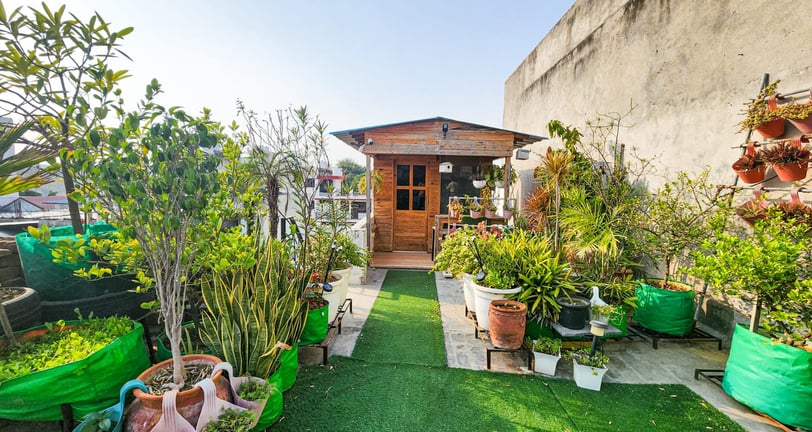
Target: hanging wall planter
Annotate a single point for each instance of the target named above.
(800, 115)
(789, 159)
(750, 168)
(772, 128)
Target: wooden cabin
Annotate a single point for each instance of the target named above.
(408, 155)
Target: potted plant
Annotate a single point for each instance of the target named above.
(498, 277)
(799, 114)
(455, 208)
(478, 178)
(770, 365)
(495, 176)
(588, 368)
(789, 159)
(750, 167)
(546, 354)
(457, 257)
(153, 176)
(507, 319)
(84, 361)
(675, 222)
(763, 115)
(543, 275)
(473, 206)
(602, 313)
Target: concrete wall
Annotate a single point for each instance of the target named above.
(687, 66)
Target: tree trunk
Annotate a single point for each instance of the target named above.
(73, 206)
(272, 196)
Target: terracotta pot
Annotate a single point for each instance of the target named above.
(805, 125)
(792, 171)
(475, 214)
(491, 214)
(146, 410)
(753, 175)
(507, 321)
(772, 128)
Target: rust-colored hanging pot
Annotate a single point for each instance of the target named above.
(750, 168)
(773, 128)
(792, 171)
(754, 209)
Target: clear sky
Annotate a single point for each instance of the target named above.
(355, 63)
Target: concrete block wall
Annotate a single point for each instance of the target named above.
(686, 66)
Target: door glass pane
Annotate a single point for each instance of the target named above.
(419, 175)
(402, 199)
(418, 200)
(403, 175)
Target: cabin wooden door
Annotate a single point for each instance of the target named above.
(410, 218)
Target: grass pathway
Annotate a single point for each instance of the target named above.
(404, 325)
(396, 380)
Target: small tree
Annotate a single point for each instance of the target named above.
(675, 222)
(152, 177)
(54, 70)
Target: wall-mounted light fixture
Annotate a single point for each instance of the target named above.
(445, 129)
(446, 167)
(522, 154)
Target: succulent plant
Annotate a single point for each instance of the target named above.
(783, 153)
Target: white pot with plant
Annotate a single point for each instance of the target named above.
(588, 368)
(546, 354)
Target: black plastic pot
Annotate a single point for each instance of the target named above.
(574, 312)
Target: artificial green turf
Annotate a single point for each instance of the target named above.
(397, 381)
(404, 325)
(355, 395)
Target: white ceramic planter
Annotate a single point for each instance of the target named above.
(339, 293)
(468, 291)
(545, 363)
(482, 301)
(587, 377)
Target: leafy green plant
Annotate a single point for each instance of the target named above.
(603, 310)
(496, 174)
(60, 344)
(771, 264)
(98, 422)
(582, 357)
(542, 273)
(231, 420)
(757, 113)
(152, 177)
(255, 390)
(783, 153)
(676, 217)
(546, 345)
(56, 72)
(456, 255)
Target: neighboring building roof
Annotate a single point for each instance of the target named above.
(357, 137)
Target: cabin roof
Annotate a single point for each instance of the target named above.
(357, 137)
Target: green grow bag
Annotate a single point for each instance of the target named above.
(664, 311)
(273, 408)
(620, 320)
(56, 281)
(535, 330)
(288, 368)
(772, 378)
(315, 327)
(89, 385)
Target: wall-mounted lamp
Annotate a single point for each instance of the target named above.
(446, 167)
(522, 154)
(445, 129)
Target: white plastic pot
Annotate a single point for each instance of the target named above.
(339, 293)
(588, 377)
(545, 363)
(482, 301)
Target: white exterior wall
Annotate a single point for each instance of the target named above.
(687, 65)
